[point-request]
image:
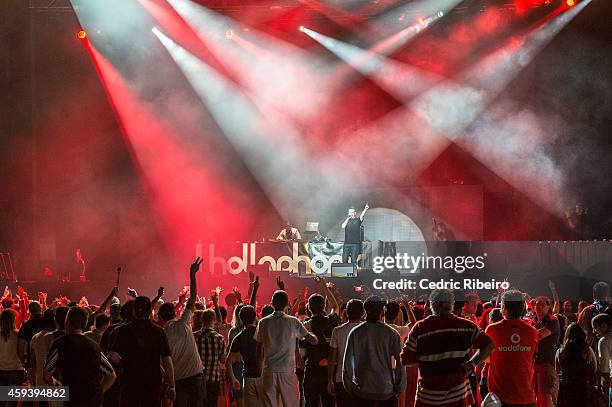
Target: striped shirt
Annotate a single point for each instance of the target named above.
(78, 362)
(211, 348)
(440, 344)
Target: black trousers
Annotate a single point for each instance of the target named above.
(146, 396)
(474, 387)
(350, 250)
(315, 390)
(343, 399)
(190, 392)
(391, 402)
(212, 393)
(11, 378)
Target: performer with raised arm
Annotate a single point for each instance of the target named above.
(352, 234)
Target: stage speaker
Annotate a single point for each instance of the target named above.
(343, 270)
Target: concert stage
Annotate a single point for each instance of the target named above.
(134, 129)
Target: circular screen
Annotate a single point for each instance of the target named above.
(388, 225)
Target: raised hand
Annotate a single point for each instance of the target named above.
(132, 293)
(160, 292)
(256, 283)
(251, 276)
(551, 285)
(196, 265)
(183, 294)
(500, 288)
(280, 283)
(237, 294)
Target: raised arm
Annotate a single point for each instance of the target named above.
(181, 301)
(280, 283)
(294, 306)
(251, 279)
(42, 298)
(215, 299)
(365, 209)
(500, 291)
(102, 308)
(553, 290)
(411, 318)
(332, 297)
(237, 295)
(255, 286)
(160, 293)
(193, 289)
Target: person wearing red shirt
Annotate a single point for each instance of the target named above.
(512, 362)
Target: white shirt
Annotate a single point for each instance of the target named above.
(278, 332)
(338, 342)
(9, 359)
(402, 330)
(604, 353)
(183, 348)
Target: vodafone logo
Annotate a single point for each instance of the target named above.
(515, 338)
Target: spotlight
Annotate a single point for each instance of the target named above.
(81, 35)
(570, 3)
(302, 28)
(229, 34)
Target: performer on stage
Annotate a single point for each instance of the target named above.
(289, 233)
(352, 234)
(442, 233)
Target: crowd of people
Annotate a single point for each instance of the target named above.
(450, 349)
